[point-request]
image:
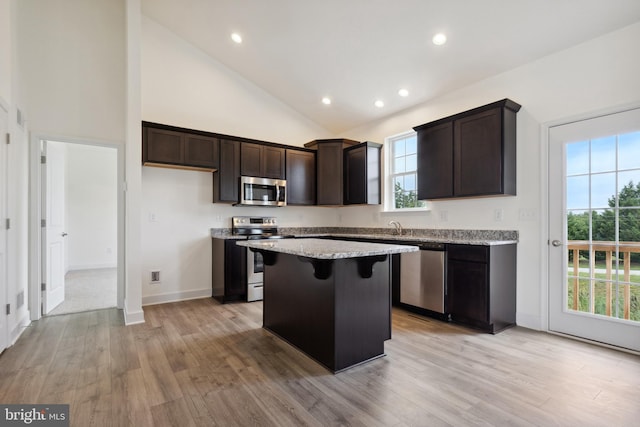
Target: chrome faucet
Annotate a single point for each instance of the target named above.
(397, 225)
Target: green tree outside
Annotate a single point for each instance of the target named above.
(603, 224)
(406, 199)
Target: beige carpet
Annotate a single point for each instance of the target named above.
(88, 290)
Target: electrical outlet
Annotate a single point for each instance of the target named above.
(498, 214)
(444, 216)
(152, 217)
(155, 277)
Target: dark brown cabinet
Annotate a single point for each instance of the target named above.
(435, 162)
(469, 154)
(229, 270)
(481, 285)
(178, 149)
(362, 174)
(301, 177)
(330, 169)
(263, 161)
(227, 180)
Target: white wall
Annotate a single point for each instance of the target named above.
(182, 86)
(72, 60)
(5, 49)
(91, 207)
(599, 74)
(16, 186)
(70, 69)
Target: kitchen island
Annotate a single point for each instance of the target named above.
(329, 298)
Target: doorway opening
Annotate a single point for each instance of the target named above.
(79, 235)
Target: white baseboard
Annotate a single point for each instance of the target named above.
(20, 327)
(176, 296)
(529, 321)
(134, 317)
(90, 267)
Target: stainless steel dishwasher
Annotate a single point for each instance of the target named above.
(422, 277)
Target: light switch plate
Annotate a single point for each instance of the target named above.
(528, 214)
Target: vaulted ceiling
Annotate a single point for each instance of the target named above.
(359, 51)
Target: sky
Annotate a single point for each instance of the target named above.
(599, 168)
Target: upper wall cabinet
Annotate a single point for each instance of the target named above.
(330, 169)
(263, 161)
(226, 182)
(362, 174)
(301, 177)
(469, 154)
(178, 149)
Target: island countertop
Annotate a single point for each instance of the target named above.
(326, 248)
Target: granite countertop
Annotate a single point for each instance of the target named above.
(461, 237)
(326, 249)
(412, 239)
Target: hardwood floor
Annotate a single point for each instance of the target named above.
(199, 363)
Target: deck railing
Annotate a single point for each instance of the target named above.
(609, 248)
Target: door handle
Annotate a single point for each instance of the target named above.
(556, 243)
(63, 234)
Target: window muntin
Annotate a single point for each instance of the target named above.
(402, 178)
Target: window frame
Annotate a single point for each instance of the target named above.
(389, 193)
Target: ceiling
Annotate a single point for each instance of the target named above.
(359, 51)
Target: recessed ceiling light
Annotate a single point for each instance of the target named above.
(439, 39)
(326, 100)
(379, 103)
(403, 92)
(236, 38)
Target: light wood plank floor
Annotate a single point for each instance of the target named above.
(199, 363)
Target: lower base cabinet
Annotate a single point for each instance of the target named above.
(229, 271)
(481, 286)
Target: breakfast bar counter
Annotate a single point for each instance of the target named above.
(329, 298)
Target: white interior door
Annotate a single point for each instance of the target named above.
(594, 229)
(4, 328)
(54, 234)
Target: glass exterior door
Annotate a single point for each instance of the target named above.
(594, 260)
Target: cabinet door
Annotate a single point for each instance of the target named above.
(273, 162)
(163, 146)
(467, 291)
(251, 159)
(330, 171)
(435, 162)
(355, 175)
(235, 274)
(201, 151)
(227, 180)
(301, 177)
(478, 166)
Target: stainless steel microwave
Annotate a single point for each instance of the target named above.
(262, 191)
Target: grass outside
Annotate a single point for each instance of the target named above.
(600, 291)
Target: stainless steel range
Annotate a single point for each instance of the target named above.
(255, 228)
